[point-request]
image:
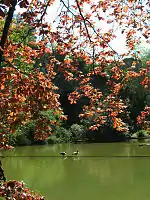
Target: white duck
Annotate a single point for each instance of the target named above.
(76, 153)
(63, 153)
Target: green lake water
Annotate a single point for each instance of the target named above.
(113, 171)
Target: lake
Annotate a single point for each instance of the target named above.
(103, 171)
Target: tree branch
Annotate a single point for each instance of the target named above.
(6, 27)
(84, 21)
(45, 10)
(90, 24)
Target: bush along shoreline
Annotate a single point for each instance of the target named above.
(76, 133)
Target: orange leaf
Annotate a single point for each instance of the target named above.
(125, 8)
(11, 114)
(2, 87)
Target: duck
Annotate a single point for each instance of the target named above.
(63, 153)
(141, 145)
(76, 153)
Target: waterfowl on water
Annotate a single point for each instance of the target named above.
(141, 145)
(63, 153)
(76, 153)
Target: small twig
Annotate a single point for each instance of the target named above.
(93, 57)
(67, 7)
(39, 21)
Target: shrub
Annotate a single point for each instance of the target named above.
(141, 134)
(53, 140)
(25, 133)
(23, 136)
(78, 131)
(64, 135)
(12, 138)
(28, 130)
(50, 115)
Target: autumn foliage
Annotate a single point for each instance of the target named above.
(79, 34)
(16, 190)
(143, 118)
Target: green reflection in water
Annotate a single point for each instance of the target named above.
(106, 178)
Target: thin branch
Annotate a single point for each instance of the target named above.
(59, 13)
(84, 21)
(118, 55)
(44, 11)
(40, 20)
(67, 7)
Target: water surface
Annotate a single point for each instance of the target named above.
(103, 171)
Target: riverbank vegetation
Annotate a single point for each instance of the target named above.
(70, 84)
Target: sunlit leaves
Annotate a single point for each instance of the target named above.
(26, 98)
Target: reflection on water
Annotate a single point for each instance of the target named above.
(83, 177)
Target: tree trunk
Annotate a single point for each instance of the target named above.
(6, 28)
